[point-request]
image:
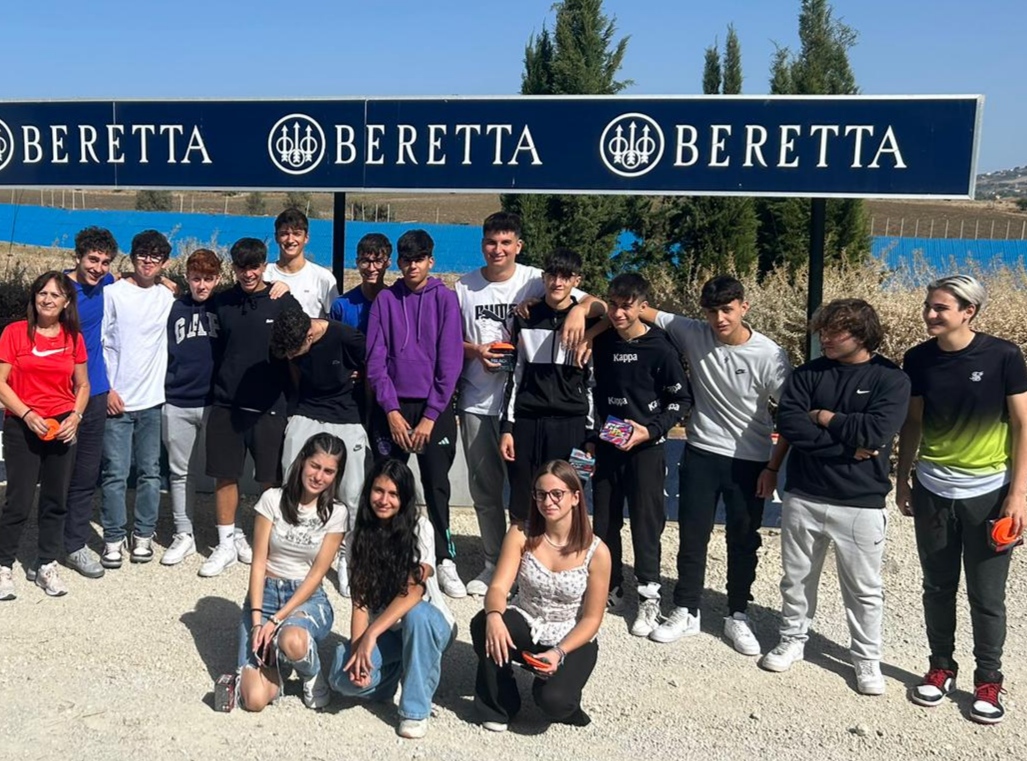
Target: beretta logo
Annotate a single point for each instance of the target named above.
(296, 144)
(631, 145)
(6, 144)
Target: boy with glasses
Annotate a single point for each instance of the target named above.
(414, 346)
(135, 351)
(374, 256)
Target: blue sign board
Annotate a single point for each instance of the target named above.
(851, 146)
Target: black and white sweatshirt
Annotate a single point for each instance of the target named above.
(546, 381)
(642, 380)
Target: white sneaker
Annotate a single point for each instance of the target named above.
(142, 549)
(315, 692)
(182, 546)
(113, 553)
(479, 585)
(449, 582)
(49, 580)
(781, 658)
(414, 729)
(680, 623)
(223, 556)
(647, 618)
(738, 631)
(6, 583)
(869, 679)
(342, 572)
(494, 726)
(242, 548)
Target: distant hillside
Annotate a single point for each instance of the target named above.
(1005, 183)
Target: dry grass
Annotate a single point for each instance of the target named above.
(779, 302)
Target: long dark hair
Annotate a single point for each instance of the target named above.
(581, 528)
(292, 491)
(385, 554)
(68, 317)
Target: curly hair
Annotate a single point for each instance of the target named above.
(292, 490)
(289, 332)
(855, 316)
(95, 239)
(385, 555)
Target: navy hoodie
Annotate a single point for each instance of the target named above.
(192, 330)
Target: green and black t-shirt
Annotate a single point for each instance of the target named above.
(966, 419)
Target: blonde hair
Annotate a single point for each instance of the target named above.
(968, 291)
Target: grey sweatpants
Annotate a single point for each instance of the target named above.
(182, 429)
(486, 474)
(808, 528)
(358, 459)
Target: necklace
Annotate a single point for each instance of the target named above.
(552, 543)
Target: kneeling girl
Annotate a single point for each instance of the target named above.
(296, 535)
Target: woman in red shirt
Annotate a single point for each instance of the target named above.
(42, 379)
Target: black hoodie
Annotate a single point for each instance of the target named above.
(245, 374)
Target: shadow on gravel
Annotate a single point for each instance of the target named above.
(214, 626)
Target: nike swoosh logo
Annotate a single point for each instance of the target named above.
(46, 353)
(861, 391)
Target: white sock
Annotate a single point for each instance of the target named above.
(226, 534)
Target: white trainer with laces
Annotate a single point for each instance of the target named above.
(223, 556)
(869, 679)
(781, 658)
(479, 585)
(414, 729)
(738, 630)
(50, 581)
(182, 546)
(647, 618)
(450, 584)
(680, 623)
(244, 552)
(114, 553)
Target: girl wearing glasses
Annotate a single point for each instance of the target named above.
(562, 573)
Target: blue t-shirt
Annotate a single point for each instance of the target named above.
(353, 309)
(90, 316)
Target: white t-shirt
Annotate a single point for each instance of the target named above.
(731, 386)
(293, 549)
(134, 336)
(486, 310)
(433, 593)
(313, 286)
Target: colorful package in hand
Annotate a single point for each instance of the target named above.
(583, 463)
(616, 431)
(508, 361)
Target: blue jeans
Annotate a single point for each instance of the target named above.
(128, 436)
(413, 654)
(315, 616)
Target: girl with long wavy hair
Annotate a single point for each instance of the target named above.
(296, 535)
(400, 625)
(562, 571)
(44, 388)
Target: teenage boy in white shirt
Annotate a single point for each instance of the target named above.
(135, 350)
(310, 284)
(487, 298)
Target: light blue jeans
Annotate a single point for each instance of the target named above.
(412, 655)
(315, 616)
(127, 436)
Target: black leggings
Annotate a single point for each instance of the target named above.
(495, 689)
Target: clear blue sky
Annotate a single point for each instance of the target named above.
(214, 48)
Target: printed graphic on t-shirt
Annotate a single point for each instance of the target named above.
(307, 533)
(494, 321)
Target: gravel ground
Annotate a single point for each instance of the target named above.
(124, 666)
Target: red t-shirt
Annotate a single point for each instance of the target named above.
(41, 369)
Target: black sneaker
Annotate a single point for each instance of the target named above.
(987, 707)
(936, 685)
(615, 600)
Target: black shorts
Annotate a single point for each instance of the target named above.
(231, 433)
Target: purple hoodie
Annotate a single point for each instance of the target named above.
(415, 346)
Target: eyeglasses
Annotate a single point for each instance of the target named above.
(554, 494)
(363, 262)
(149, 258)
